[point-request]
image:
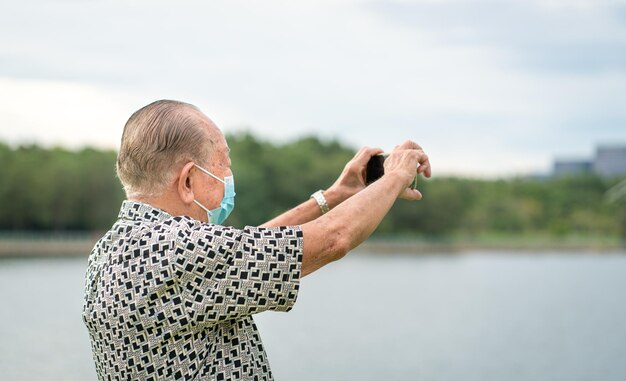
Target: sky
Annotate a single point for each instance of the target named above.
(488, 88)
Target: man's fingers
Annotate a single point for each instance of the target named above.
(411, 194)
(409, 144)
(424, 164)
(365, 154)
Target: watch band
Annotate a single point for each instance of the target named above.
(321, 201)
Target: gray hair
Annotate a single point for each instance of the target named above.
(157, 139)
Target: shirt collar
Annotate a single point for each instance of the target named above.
(139, 211)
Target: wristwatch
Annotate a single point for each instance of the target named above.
(321, 201)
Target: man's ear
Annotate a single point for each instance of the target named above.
(185, 183)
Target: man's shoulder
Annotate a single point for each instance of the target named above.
(177, 230)
(128, 229)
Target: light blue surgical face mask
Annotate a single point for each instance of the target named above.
(221, 213)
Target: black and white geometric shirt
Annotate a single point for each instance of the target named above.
(172, 298)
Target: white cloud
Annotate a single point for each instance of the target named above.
(61, 113)
(494, 81)
(77, 114)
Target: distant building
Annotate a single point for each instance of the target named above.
(571, 167)
(610, 161)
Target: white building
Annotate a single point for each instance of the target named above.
(610, 161)
(571, 167)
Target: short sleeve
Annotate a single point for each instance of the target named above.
(226, 273)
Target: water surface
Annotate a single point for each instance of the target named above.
(475, 316)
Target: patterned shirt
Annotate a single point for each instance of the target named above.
(171, 298)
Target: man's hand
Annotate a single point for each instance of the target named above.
(352, 178)
(331, 236)
(407, 161)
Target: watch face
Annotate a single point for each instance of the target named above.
(321, 201)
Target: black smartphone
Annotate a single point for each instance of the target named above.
(375, 170)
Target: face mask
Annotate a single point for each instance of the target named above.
(221, 213)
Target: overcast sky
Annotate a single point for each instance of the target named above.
(488, 88)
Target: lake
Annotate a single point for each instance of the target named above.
(475, 316)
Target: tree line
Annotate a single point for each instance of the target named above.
(56, 189)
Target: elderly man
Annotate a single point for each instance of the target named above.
(170, 292)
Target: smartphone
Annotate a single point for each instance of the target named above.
(375, 170)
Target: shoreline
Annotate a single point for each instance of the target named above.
(464, 246)
(29, 247)
(25, 248)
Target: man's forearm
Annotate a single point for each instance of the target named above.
(331, 236)
(305, 212)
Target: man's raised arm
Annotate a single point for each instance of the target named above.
(350, 182)
(331, 236)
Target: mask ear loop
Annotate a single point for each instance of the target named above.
(202, 206)
(209, 173)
